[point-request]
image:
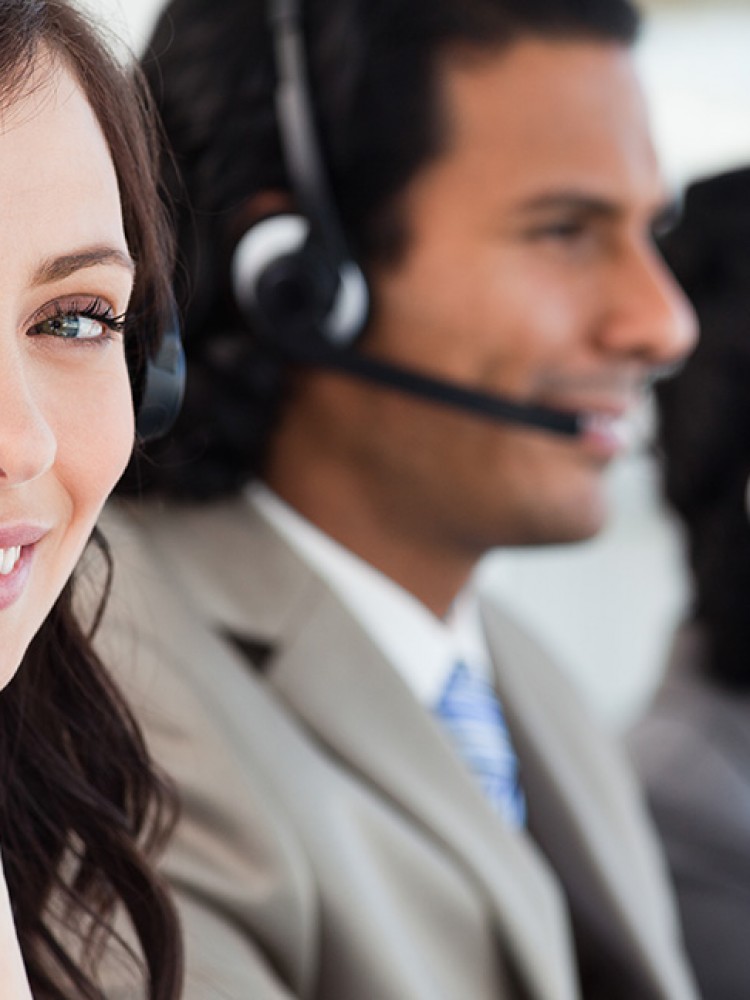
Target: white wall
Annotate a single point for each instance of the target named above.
(131, 20)
(607, 607)
(696, 65)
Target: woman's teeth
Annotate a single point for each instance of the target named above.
(8, 559)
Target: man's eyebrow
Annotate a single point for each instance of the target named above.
(594, 207)
(58, 268)
(571, 201)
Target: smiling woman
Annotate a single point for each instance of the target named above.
(67, 277)
(80, 803)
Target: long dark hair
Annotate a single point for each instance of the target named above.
(81, 805)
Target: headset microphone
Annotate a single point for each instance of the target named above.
(452, 394)
(296, 281)
(288, 331)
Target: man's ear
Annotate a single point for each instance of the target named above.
(255, 208)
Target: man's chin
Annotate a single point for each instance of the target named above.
(580, 523)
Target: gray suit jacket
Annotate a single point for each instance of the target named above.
(332, 844)
(693, 751)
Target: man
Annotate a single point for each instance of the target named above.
(299, 642)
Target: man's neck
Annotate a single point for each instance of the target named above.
(369, 530)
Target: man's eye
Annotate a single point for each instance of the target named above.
(566, 230)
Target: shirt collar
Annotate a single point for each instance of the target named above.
(422, 648)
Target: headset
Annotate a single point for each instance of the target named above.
(163, 384)
(296, 282)
(291, 272)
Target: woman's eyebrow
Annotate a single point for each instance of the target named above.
(58, 268)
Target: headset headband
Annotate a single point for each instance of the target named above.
(296, 117)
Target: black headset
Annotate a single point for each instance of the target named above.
(292, 273)
(163, 384)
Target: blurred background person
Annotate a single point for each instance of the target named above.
(693, 748)
(342, 725)
(85, 264)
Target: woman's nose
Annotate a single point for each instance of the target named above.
(27, 443)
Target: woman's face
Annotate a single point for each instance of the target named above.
(66, 418)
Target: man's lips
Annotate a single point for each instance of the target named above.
(614, 423)
(619, 432)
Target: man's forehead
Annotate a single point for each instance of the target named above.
(535, 81)
(553, 117)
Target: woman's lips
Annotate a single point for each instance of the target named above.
(21, 534)
(12, 583)
(17, 548)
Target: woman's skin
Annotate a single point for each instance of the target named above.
(66, 414)
(12, 975)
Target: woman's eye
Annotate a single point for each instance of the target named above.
(93, 321)
(70, 327)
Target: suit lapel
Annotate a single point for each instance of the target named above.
(583, 811)
(388, 739)
(256, 589)
(586, 814)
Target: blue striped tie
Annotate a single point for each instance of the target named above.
(471, 714)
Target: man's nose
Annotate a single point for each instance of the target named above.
(653, 320)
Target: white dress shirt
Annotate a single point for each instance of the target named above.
(422, 648)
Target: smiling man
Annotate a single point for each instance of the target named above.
(389, 793)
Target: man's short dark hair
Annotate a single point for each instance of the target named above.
(374, 80)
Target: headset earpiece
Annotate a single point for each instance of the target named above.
(285, 282)
(164, 386)
(293, 276)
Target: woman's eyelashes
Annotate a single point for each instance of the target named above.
(89, 320)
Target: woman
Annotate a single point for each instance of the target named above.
(84, 262)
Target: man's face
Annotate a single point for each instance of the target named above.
(529, 271)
